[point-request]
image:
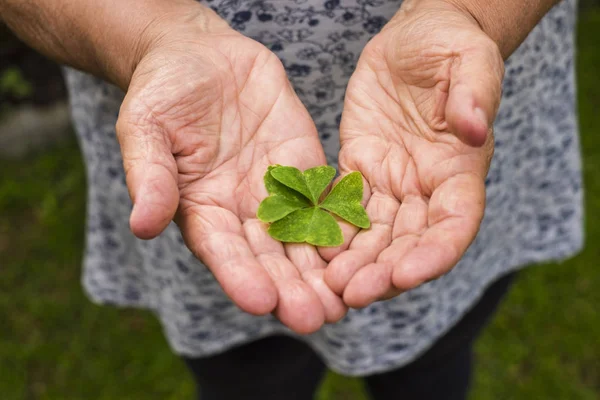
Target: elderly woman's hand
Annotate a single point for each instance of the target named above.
(416, 123)
(206, 112)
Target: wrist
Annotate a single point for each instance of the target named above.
(506, 22)
(162, 26)
(494, 18)
(444, 17)
(490, 23)
(106, 38)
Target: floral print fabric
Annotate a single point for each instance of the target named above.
(534, 189)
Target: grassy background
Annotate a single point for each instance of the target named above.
(54, 344)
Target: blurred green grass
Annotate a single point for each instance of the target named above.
(55, 344)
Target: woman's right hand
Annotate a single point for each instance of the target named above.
(206, 112)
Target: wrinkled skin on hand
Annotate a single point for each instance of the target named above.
(416, 124)
(204, 116)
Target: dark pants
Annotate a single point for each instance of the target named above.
(282, 368)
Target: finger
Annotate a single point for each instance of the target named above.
(216, 237)
(151, 174)
(367, 245)
(411, 218)
(455, 214)
(312, 267)
(299, 306)
(366, 284)
(374, 281)
(475, 92)
(304, 256)
(334, 307)
(349, 231)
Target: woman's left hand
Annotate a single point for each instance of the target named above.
(417, 124)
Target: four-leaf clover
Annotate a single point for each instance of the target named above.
(296, 213)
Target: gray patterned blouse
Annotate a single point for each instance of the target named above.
(534, 189)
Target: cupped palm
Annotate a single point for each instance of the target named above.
(204, 117)
(416, 124)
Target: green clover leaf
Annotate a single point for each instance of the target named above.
(344, 200)
(311, 183)
(311, 225)
(282, 200)
(293, 207)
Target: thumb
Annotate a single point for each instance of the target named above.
(151, 174)
(475, 92)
